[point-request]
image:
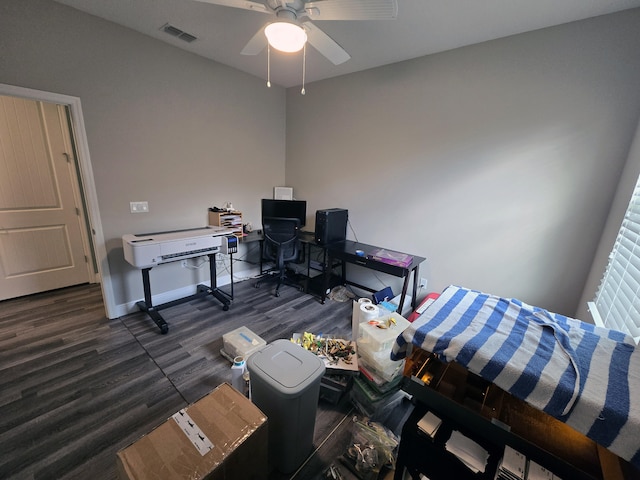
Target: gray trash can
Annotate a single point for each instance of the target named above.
(285, 385)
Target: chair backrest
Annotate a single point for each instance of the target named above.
(281, 238)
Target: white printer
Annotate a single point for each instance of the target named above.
(151, 249)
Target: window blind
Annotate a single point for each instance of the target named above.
(617, 302)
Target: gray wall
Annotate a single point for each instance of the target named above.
(497, 162)
(165, 126)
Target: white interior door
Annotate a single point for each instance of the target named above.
(43, 240)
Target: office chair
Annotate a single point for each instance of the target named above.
(280, 245)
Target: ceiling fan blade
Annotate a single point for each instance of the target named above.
(352, 9)
(256, 44)
(325, 44)
(244, 4)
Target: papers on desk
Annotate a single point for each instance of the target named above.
(468, 452)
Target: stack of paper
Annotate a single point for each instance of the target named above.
(538, 472)
(468, 452)
(513, 465)
(429, 424)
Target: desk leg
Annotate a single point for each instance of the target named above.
(327, 278)
(306, 249)
(405, 287)
(414, 298)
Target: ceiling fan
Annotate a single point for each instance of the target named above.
(297, 16)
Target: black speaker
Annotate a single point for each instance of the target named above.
(331, 225)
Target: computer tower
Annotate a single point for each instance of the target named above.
(331, 225)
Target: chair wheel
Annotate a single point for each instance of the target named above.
(277, 294)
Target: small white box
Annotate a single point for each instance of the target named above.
(283, 193)
(241, 342)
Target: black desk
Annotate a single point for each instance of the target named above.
(345, 252)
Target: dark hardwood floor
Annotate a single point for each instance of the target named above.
(76, 387)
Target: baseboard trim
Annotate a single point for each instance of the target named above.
(164, 297)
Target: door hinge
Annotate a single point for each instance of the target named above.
(77, 211)
(67, 156)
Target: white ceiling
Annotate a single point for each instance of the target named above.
(422, 27)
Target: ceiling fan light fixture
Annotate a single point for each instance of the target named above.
(285, 36)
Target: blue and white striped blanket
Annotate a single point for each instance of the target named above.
(583, 375)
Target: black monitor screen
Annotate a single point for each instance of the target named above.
(285, 209)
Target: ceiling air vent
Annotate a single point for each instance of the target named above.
(176, 32)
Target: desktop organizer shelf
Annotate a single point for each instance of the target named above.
(232, 220)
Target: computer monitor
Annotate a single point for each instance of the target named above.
(285, 209)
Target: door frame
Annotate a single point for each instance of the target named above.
(88, 185)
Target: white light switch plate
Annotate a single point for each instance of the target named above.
(139, 207)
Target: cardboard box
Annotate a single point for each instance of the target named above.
(222, 436)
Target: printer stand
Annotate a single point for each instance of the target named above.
(202, 290)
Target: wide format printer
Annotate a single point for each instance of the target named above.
(145, 251)
(150, 249)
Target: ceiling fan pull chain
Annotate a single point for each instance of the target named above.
(268, 66)
(304, 66)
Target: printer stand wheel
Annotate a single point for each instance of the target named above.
(225, 308)
(164, 328)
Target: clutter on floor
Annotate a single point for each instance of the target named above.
(340, 359)
(372, 447)
(285, 381)
(377, 388)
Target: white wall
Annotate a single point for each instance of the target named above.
(497, 162)
(164, 126)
